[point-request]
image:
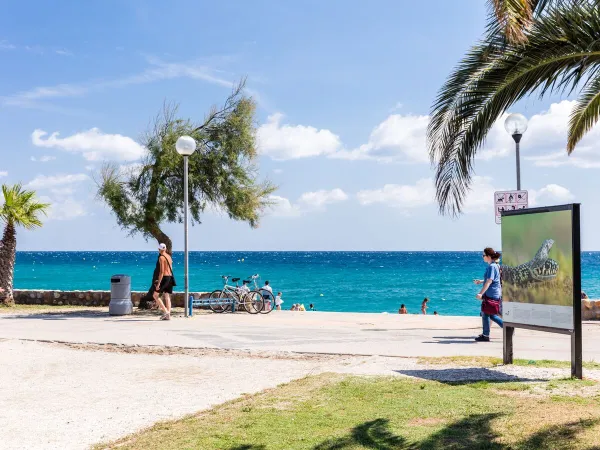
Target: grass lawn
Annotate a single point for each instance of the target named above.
(333, 412)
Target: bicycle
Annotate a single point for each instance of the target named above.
(228, 298)
(268, 298)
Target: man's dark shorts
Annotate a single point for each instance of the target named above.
(166, 285)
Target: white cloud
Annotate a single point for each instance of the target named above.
(319, 199)
(282, 207)
(549, 195)
(64, 209)
(402, 138)
(157, 71)
(92, 144)
(43, 159)
(277, 171)
(3, 173)
(5, 45)
(422, 193)
(400, 196)
(396, 107)
(63, 52)
(63, 191)
(89, 168)
(398, 138)
(307, 202)
(544, 143)
(282, 142)
(52, 181)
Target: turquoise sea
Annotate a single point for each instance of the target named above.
(332, 281)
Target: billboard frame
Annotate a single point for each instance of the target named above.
(576, 331)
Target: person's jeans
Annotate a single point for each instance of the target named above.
(485, 318)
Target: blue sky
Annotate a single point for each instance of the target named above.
(343, 89)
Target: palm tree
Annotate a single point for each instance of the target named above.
(541, 47)
(19, 209)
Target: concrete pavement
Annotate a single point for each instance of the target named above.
(313, 332)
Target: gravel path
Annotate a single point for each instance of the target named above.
(70, 396)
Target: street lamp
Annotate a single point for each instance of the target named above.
(516, 124)
(185, 146)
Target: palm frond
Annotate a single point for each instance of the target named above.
(20, 207)
(585, 114)
(563, 48)
(513, 17)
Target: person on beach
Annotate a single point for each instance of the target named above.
(584, 296)
(164, 281)
(490, 294)
(278, 301)
(402, 309)
(311, 307)
(267, 287)
(424, 306)
(435, 313)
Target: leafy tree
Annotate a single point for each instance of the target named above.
(20, 209)
(222, 172)
(547, 46)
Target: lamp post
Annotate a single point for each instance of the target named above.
(516, 124)
(185, 146)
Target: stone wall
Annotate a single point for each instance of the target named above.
(590, 309)
(85, 298)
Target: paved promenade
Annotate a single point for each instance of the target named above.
(319, 332)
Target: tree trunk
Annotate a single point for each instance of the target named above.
(8, 253)
(161, 237)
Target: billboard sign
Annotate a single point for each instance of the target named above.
(509, 201)
(541, 276)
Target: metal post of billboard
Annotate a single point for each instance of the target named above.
(508, 333)
(576, 332)
(576, 338)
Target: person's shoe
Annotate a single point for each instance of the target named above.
(482, 338)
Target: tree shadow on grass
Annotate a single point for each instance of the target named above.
(560, 437)
(248, 447)
(472, 432)
(374, 434)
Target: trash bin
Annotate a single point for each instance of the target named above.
(120, 295)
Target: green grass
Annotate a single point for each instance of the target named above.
(488, 361)
(329, 412)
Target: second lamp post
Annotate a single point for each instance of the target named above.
(185, 146)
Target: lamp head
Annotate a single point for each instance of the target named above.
(185, 145)
(515, 124)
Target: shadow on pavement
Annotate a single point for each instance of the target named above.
(137, 316)
(464, 375)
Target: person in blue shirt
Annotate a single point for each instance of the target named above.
(490, 294)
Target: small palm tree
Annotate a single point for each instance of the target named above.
(531, 47)
(20, 208)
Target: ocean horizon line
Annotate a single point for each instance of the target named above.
(270, 251)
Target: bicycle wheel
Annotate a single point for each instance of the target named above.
(215, 303)
(229, 299)
(253, 302)
(268, 304)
